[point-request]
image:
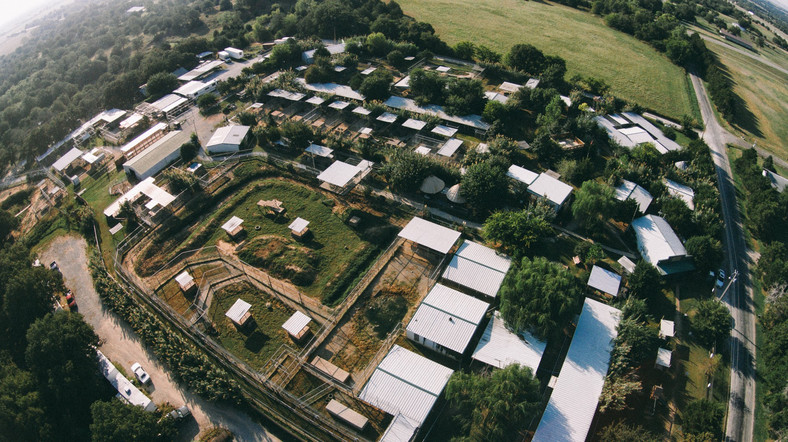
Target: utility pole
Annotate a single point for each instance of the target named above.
(731, 280)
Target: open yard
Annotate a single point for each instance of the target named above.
(633, 69)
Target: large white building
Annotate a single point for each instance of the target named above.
(227, 139)
(660, 246)
(630, 129)
(194, 89)
(551, 189)
(477, 268)
(157, 156)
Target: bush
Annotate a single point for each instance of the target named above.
(385, 310)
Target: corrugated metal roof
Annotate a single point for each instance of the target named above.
(67, 158)
(685, 193)
(431, 235)
(448, 317)
(484, 255)
(667, 328)
(552, 189)
(163, 148)
(663, 357)
(572, 405)
(184, 278)
(472, 120)
(228, 135)
(450, 147)
(238, 310)
(604, 280)
(296, 323)
(401, 429)
(522, 174)
(444, 130)
(656, 239)
(157, 195)
(339, 173)
(143, 137)
(414, 124)
(628, 190)
(406, 383)
(232, 224)
(473, 275)
(501, 347)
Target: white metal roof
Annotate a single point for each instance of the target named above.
(192, 87)
(408, 104)
(474, 275)
(157, 195)
(131, 121)
(316, 100)
(296, 323)
(414, 124)
(604, 280)
(238, 310)
(446, 131)
(667, 328)
(422, 149)
(430, 235)
(443, 69)
(232, 224)
(484, 255)
(339, 173)
(404, 83)
(365, 130)
(448, 317)
(131, 145)
(573, 403)
(287, 95)
(321, 151)
(387, 117)
(228, 135)
(510, 87)
(339, 105)
(339, 68)
(406, 383)
(627, 264)
(298, 224)
(685, 193)
(369, 70)
(360, 110)
(201, 70)
(125, 388)
(501, 347)
(495, 96)
(401, 429)
(333, 89)
(67, 158)
(656, 239)
(522, 174)
(628, 190)
(485, 148)
(160, 150)
(532, 83)
(450, 147)
(554, 190)
(168, 102)
(663, 357)
(184, 278)
(777, 181)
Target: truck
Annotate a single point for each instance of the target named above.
(234, 53)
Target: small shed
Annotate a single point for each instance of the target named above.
(387, 117)
(663, 358)
(361, 110)
(272, 207)
(522, 174)
(239, 312)
(414, 124)
(667, 329)
(627, 264)
(450, 147)
(604, 280)
(299, 228)
(297, 326)
(234, 227)
(185, 281)
(446, 131)
(339, 175)
(346, 415)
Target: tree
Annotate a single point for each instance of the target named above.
(206, 101)
(427, 86)
(545, 148)
(703, 416)
(377, 85)
(29, 295)
(712, 322)
(464, 50)
(485, 186)
(378, 45)
(706, 251)
(7, 225)
(487, 55)
(247, 118)
(593, 204)
(297, 133)
(495, 407)
(21, 412)
(526, 58)
(617, 391)
(622, 432)
(517, 231)
(407, 170)
(465, 96)
(636, 343)
(773, 264)
(190, 149)
(161, 83)
(645, 282)
(116, 421)
(540, 296)
(676, 213)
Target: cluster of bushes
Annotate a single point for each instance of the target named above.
(721, 92)
(282, 259)
(406, 170)
(461, 96)
(767, 209)
(189, 365)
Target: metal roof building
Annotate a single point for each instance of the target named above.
(450, 147)
(522, 175)
(158, 155)
(778, 182)
(144, 140)
(446, 319)
(555, 191)
(501, 347)
(239, 312)
(659, 245)
(171, 104)
(69, 157)
(339, 90)
(682, 192)
(484, 255)
(401, 429)
(287, 95)
(227, 139)
(604, 280)
(297, 325)
(574, 400)
(474, 121)
(194, 89)
(201, 70)
(630, 129)
(158, 197)
(629, 190)
(339, 174)
(407, 384)
(474, 275)
(433, 236)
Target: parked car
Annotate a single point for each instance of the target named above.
(141, 374)
(180, 413)
(53, 266)
(720, 278)
(71, 299)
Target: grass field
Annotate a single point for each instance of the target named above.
(633, 69)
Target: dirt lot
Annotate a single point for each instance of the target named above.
(121, 345)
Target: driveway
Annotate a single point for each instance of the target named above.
(121, 345)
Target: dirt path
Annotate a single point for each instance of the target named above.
(121, 345)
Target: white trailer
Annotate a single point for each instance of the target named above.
(235, 53)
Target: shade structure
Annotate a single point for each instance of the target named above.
(454, 195)
(432, 185)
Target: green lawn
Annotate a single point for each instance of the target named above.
(633, 69)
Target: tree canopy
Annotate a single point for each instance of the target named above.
(593, 204)
(517, 231)
(712, 322)
(116, 421)
(485, 186)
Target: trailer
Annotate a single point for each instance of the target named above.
(234, 53)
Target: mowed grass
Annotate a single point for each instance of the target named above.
(762, 116)
(633, 69)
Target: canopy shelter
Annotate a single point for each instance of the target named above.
(387, 117)
(423, 150)
(361, 110)
(604, 280)
(287, 95)
(450, 147)
(339, 105)
(239, 312)
(272, 207)
(339, 174)
(455, 195)
(663, 358)
(233, 227)
(500, 346)
(446, 131)
(321, 151)
(432, 185)
(297, 326)
(299, 228)
(412, 123)
(667, 329)
(430, 235)
(317, 101)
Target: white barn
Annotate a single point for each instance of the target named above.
(227, 139)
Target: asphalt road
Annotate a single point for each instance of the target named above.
(741, 403)
(121, 345)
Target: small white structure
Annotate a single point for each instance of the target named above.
(234, 53)
(387, 117)
(299, 227)
(308, 57)
(404, 83)
(361, 110)
(339, 105)
(234, 227)
(510, 87)
(127, 392)
(430, 235)
(630, 129)
(69, 157)
(604, 280)
(401, 429)
(443, 69)
(287, 95)
(667, 329)
(495, 96)
(321, 151)
(532, 83)
(477, 268)
(626, 264)
(159, 198)
(574, 400)
(239, 312)
(339, 174)
(407, 384)
(659, 245)
(157, 156)
(501, 347)
(316, 100)
(450, 147)
(345, 414)
(522, 175)
(185, 281)
(414, 124)
(423, 150)
(369, 70)
(195, 88)
(94, 156)
(446, 320)
(555, 191)
(629, 190)
(446, 131)
(682, 192)
(663, 358)
(223, 55)
(432, 185)
(297, 326)
(227, 139)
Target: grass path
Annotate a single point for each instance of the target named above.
(633, 69)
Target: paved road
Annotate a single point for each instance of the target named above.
(741, 404)
(121, 345)
(745, 52)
